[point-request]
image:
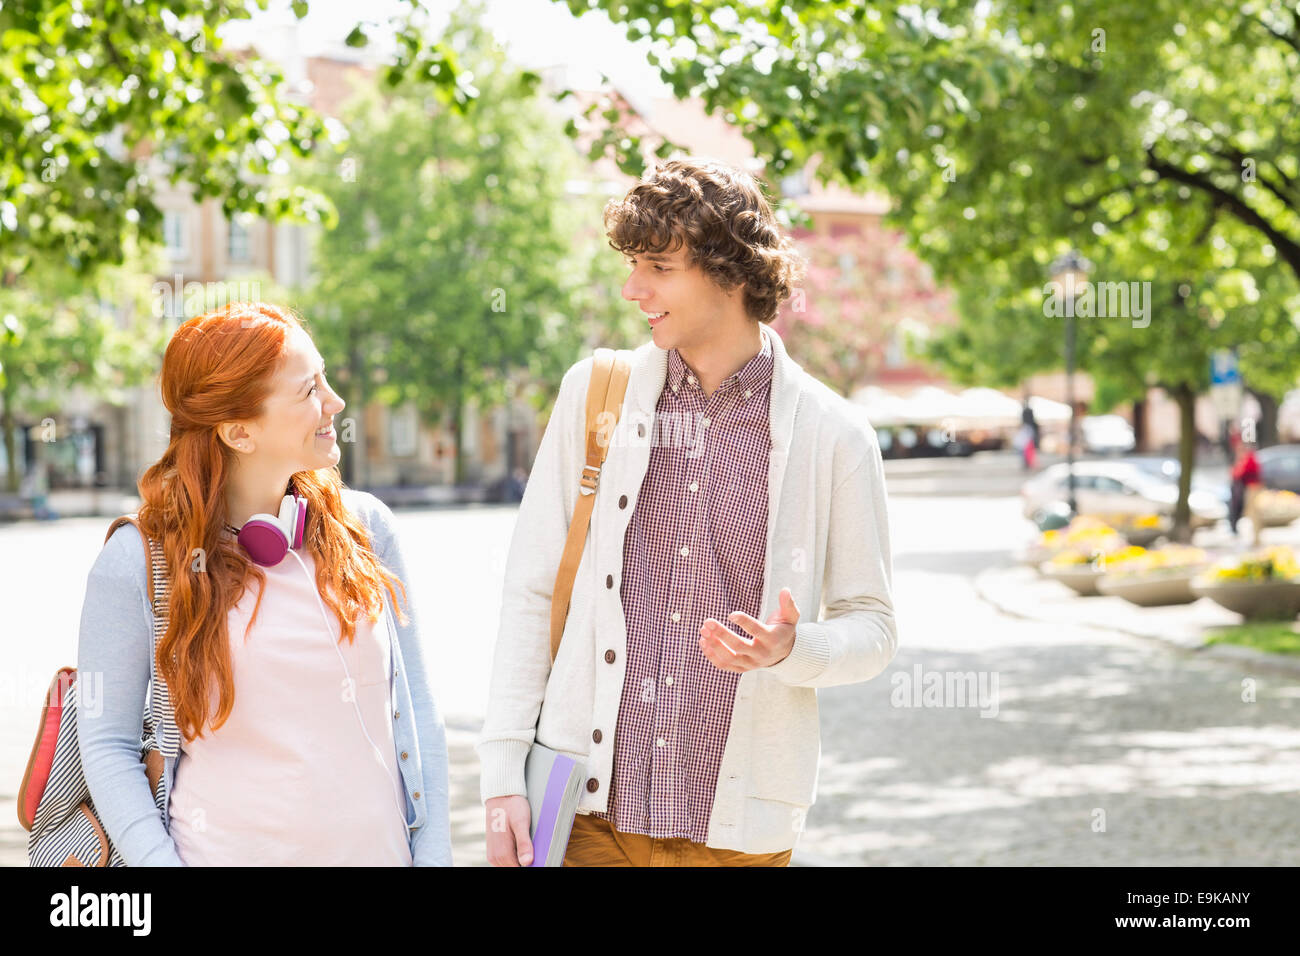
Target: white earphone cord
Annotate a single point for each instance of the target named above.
(353, 686)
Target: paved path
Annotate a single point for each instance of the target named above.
(1091, 727)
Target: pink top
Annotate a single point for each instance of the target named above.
(290, 779)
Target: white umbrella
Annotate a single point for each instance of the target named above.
(1046, 410)
(930, 405)
(989, 408)
(881, 407)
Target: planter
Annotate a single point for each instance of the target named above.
(1151, 590)
(1142, 537)
(1255, 600)
(1080, 578)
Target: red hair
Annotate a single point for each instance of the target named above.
(218, 368)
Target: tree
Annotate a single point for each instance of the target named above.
(59, 330)
(863, 293)
(453, 268)
(1157, 138)
(89, 91)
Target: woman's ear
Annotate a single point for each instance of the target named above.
(236, 436)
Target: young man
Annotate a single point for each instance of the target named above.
(686, 680)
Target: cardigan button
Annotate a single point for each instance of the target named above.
(609, 657)
(592, 784)
(595, 735)
(609, 580)
(622, 501)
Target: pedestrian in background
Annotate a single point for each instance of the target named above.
(1247, 482)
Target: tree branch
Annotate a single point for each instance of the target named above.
(1287, 247)
(1286, 36)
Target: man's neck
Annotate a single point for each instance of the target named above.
(716, 361)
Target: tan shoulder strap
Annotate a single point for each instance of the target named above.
(609, 376)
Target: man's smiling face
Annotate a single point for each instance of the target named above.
(683, 306)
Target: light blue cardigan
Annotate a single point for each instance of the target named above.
(115, 638)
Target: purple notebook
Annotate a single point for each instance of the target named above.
(554, 784)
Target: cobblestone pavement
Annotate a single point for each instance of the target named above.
(1098, 748)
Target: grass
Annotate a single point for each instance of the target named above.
(1274, 637)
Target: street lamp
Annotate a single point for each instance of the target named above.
(1070, 271)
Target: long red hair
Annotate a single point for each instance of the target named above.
(219, 367)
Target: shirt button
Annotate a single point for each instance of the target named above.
(592, 784)
(704, 422)
(685, 551)
(403, 754)
(694, 486)
(660, 742)
(416, 794)
(676, 616)
(691, 379)
(640, 431)
(748, 392)
(609, 580)
(397, 714)
(609, 657)
(595, 735)
(668, 680)
(622, 501)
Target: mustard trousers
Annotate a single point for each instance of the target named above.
(595, 842)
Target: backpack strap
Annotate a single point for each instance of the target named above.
(162, 725)
(148, 550)
(609, 376)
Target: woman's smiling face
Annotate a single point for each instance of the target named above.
(301, 402)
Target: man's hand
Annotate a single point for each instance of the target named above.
(508, 821)
(767, 644)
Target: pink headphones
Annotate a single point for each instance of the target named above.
(266, 538)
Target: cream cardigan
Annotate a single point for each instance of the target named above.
(827, 541)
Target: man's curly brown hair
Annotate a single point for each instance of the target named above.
(725, 221)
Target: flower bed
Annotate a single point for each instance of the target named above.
(1258, 585)
(1155, 578)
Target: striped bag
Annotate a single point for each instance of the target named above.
(54, 802)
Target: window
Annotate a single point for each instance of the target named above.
(402, 428)
(174, 233)
(237, 248)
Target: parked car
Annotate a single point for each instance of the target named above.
(1279, 467)
(1115, 488)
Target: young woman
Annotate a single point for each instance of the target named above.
(296, 719)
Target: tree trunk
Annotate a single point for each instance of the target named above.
(1266, 427)
(11, 442)
(458, 426)
(1140, 425)
(353, 462)
(1186, 400)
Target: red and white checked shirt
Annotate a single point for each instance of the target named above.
(695, 548)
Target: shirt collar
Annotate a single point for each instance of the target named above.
(748, 379)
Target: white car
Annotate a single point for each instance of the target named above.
(1111, 488)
